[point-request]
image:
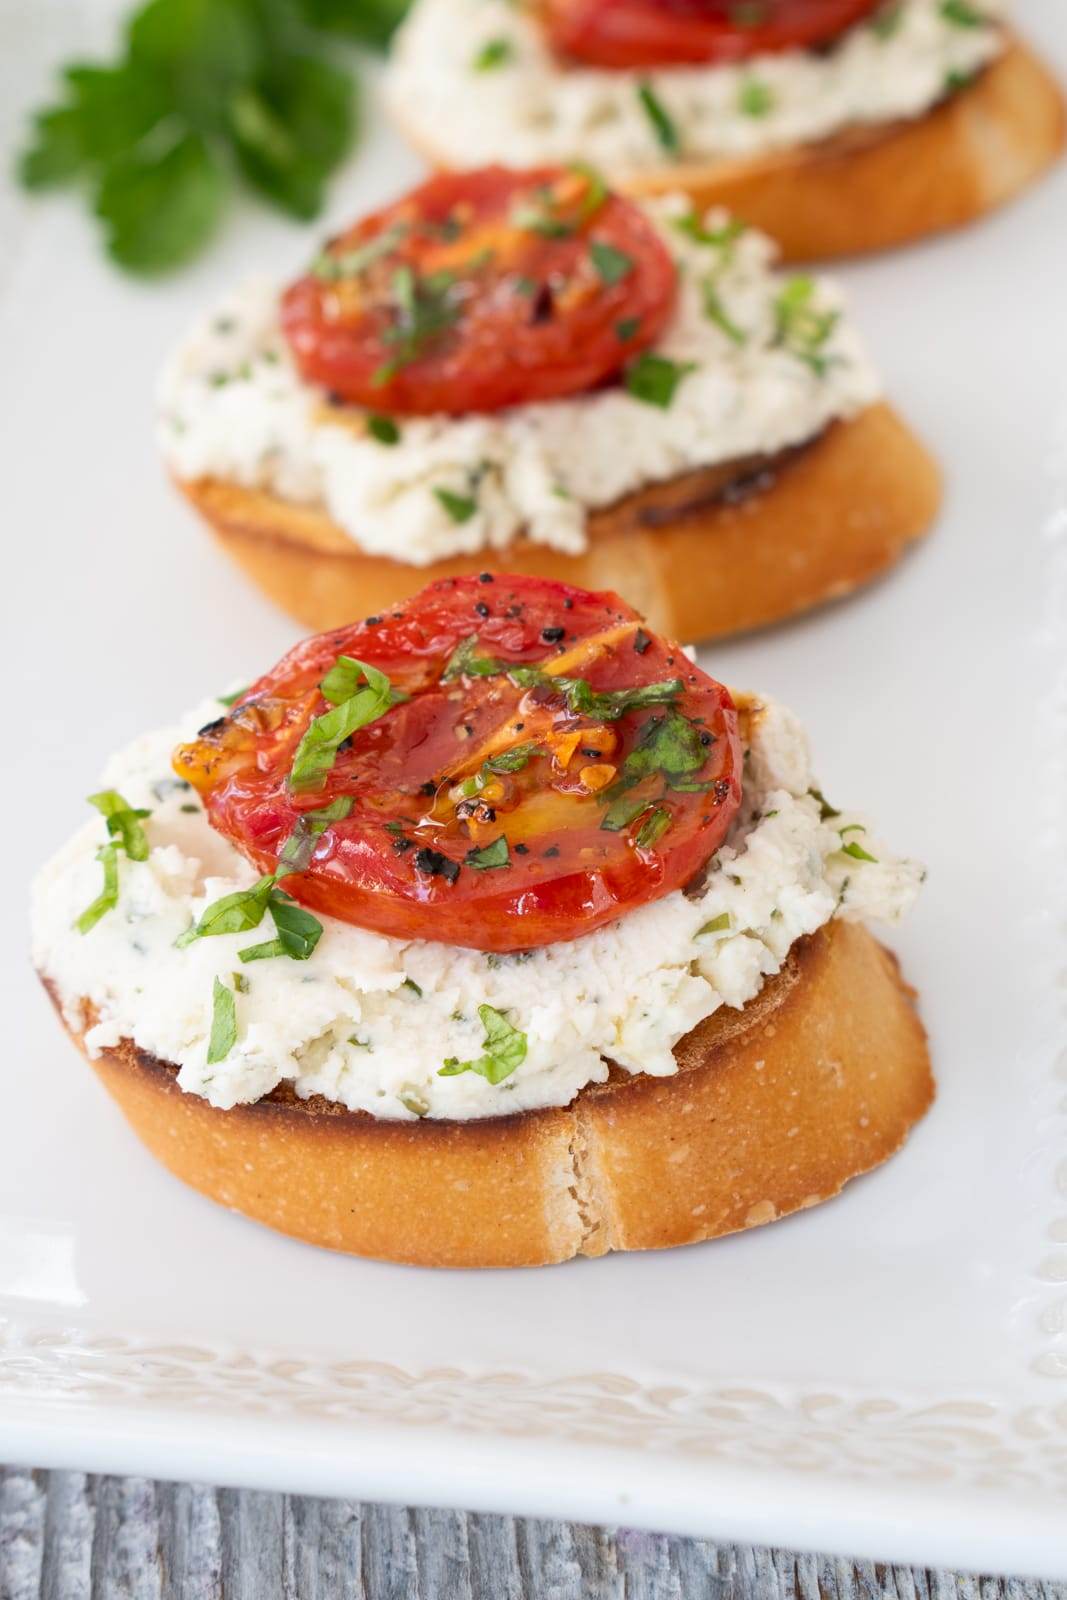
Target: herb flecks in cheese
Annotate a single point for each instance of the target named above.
(531, 110)
(371, 1022)
(723, 383)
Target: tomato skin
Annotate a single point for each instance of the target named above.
(635, 34)
(525, 316)
(398, 863)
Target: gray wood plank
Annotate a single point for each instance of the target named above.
(65, 1536)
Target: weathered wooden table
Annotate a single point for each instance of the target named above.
(66, 1536)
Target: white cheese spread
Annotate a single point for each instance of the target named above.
(474, 81)
(233, 407)
(368, 1021)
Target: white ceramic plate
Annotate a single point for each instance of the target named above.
(884, 1376)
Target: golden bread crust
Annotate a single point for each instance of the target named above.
(708, 554)
(773, 1108)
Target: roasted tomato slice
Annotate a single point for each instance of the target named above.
(501, 763)
(663, 33)
(481, 290)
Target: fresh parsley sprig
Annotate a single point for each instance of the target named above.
(202, 91)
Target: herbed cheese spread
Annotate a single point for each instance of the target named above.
(475, 81)
(752, 363)
(369, 1021)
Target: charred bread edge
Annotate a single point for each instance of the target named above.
(773, 1109)
(708, 554)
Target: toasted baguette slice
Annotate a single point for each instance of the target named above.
(871, 189)
(708, 554)
(773, 1109)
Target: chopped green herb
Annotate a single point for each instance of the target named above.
(525, 286)
(716, 312)
(298, 931)
(653, 828)
(384, 429)
(826, 810)
(654, 379)
(223, 1023)
(360, 1044)
(240, 982)
(317, 750)
(962, 14)
(538, 214)
(505, 1050)
(409, 983)
(234, 913)
(425, 308)
(663, 124)
(719, 924)
(694, 227)
(297, 850)
(625, 330)
(490, 855)
(621, 813)
(887, 21)
(755, 98)
(583, 700)
(493, 53)
(512, 760)
(108, 898)
(332, 266)
(466, 662)
(232, 699)
(414, 1102)
(611, 265)
(801, 328)
(669, 745)
(262, 952)
(460, 507)
(123, 822)
(955, 81)
(856, 851)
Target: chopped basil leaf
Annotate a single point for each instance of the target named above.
(414, 1102)
(465, 662)
(384, 429)
(123, 822)
(694, 227)
(351, 263)
(505, 1050)
(298, 931)
(611, 265)
(621, 813)
(107, 899)
(598, 189)
(669, 745)
(626, 329)
(654, 379)
(232, 699)
(460, 507)
(716, 312)
(653, 828)
(663, 124)
(826, 810)
(234, 913)
(755, 98)
(955, 81)
(317, 750)
(409, 983)
(297, 850)
(490, 855)
(240, 982)
(583, 700)
(512, 760)
(425, 309)
(857, 852)
(223, 1023)
(262, 952)
(494, 53)
(801, 328)
(719, 924)
(887, 22)
(962, 14)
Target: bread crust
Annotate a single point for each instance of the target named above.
(875, 188)
(708, 554)
(774, 1108)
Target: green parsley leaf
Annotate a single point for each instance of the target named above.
(291, 129)
(108, 898)
(611, 265)
(800, 327)
(719, 924)
(460, 507)
(493, 53)
(663, 124)
(123, 822)
(366, 22)
(962, 14)
(384, 429)
(716, 312)
(317, 750)
(505, 1050)
(856, 851)
(223, 1023)
(234, 913)
(654, 379)
(490, 855)
(159, 211)
(512, 760)
(755, 98)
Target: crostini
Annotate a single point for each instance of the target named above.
(614, 394)
(836, 126)
(489, 932)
